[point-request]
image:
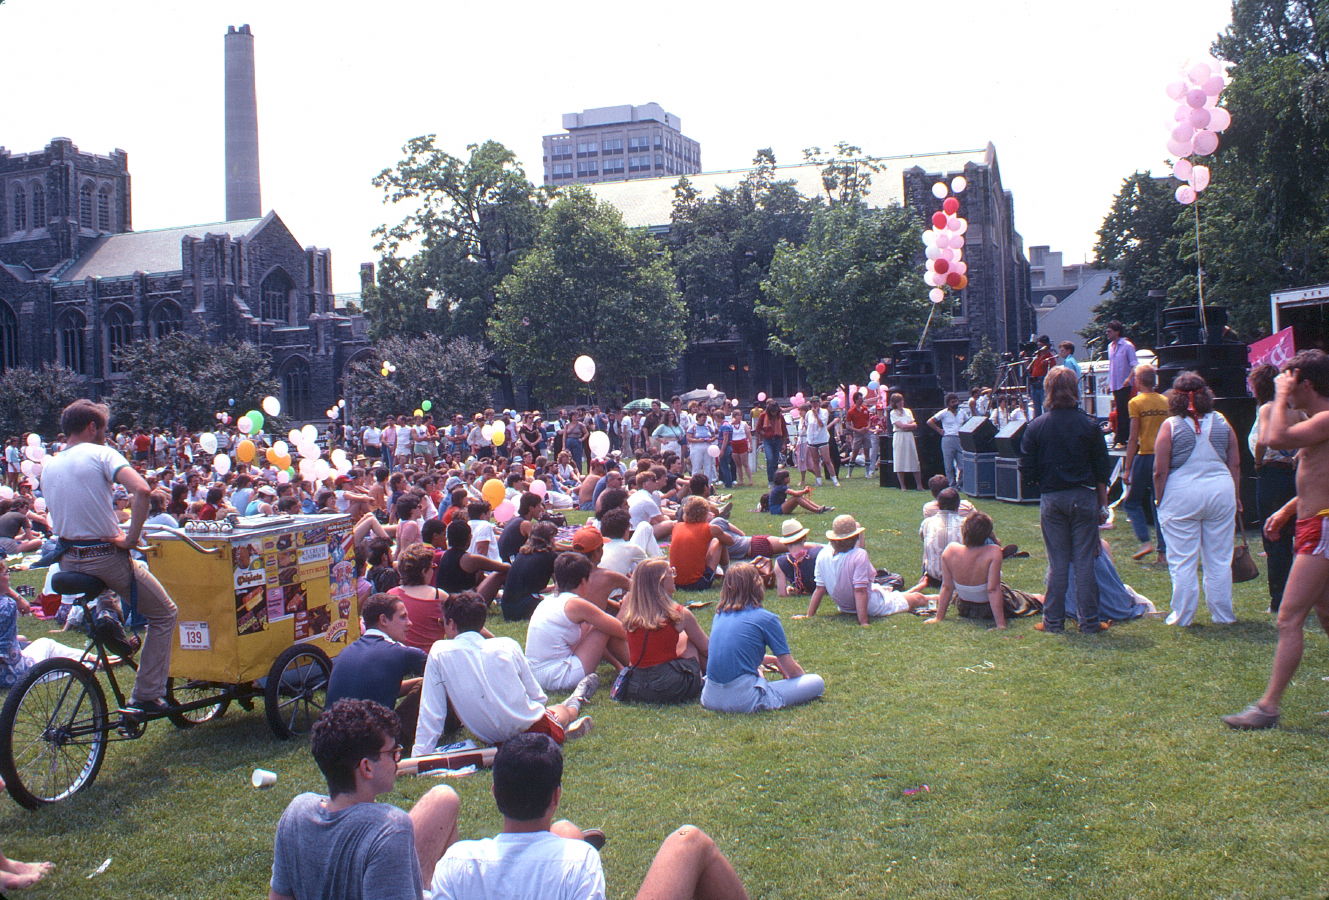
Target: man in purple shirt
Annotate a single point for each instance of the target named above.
(1121, 375)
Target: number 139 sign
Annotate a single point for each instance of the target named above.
(194, 636)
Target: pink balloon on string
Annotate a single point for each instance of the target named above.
(1219, 119)
(1199, 118)
(1206, 142)
(936, 295)
(1179, 148)
(1199, 178)
(960, 267)
(1181, 170)
(1181, 113)
(761, 396)
(944, 240)
(1213, 85)
(1195, 98)
(957, 224)
(1199, 73)
(1185, 195)
(1176, 89)
(1183, 133)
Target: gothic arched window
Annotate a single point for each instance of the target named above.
(38, 206)
(275, 297)
(69, 340)
(104, 209)
(295, 389)
(20, 209)
(166, 319)
(85, 205)
(8, 337)
(119, 333)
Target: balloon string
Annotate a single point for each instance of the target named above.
(924, 336)
(1199, 271)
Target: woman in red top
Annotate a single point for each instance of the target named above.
(696, 546)
(424, 602)
(666, 647)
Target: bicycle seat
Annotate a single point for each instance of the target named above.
(79, 583)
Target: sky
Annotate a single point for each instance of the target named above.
(1071, 95)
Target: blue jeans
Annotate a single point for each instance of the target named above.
(1036, 395)
(574, 446)
(950, 458)
(727, 472)
(385, 451)
(752, 693)
(1070, 531)
(1140, 498)
(773, 447)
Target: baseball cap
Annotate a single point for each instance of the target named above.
(587, 540)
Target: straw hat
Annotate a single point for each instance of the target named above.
(792, 531)
(843, 528)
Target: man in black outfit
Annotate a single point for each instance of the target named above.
(1065, 452)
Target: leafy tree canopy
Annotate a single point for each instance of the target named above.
(591, 286)
(34, 398)
(837, 301)
(182, 379)
(451, 374)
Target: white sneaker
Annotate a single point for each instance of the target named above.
(835, 481)
(586, 688)
(579, 728)
(818, 481)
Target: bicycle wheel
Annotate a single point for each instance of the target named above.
(179, 691)
(53, 733)
(296, 690)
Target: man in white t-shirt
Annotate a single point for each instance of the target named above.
(644, 506)
(947, 423)
(844, 572)
(78, 485)
(537, 858)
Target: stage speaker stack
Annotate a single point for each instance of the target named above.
(1221, 362)
(1012, 485)
(913, 373)
(978, 457)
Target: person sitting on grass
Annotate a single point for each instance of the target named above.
(795, 569)
(461, 570)
(538, 858)
(620, 554)
(415, 567)
(531, 569)
(939, 532)
(783, 500)
(569, 635)
(17, 654)
(379, 666)
(697, 547)
(347, 845)
(937, 484)
(1117, 601)
(487, 683)
(971, 569)
(741, 633)
(604, 585)
(846, 574)
(666, 646)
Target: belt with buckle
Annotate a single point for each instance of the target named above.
(91, 551)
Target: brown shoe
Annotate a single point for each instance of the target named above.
(1096, 629)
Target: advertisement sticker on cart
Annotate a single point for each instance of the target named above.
(195, 636)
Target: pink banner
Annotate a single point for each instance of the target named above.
(1275, 350)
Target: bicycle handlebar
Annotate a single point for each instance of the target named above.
(176, 532)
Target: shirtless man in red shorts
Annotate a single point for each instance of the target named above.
(1304, 385)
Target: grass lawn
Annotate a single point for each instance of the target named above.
(1065, 765)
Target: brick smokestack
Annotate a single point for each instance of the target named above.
(242, 184)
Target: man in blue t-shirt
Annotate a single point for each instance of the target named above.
(379, 666)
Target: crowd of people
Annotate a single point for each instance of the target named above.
(449, 529)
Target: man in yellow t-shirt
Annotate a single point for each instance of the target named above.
(1148, 410)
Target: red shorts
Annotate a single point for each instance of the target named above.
(1311, 538)
(547, 724)
(739, 446)
(760, 546)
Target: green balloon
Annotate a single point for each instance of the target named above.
(256, 418)
(426, 405)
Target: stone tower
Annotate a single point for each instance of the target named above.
(242, 184)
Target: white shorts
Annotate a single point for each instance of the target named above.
(882, 601)
(559, 675)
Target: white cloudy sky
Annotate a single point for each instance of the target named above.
(1071, 94)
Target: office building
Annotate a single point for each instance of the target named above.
(614, 143)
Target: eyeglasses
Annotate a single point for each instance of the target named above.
(395, 751)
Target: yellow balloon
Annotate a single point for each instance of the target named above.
(282, 462)
(493, 492)
(244, 451)
(272, 456)
(500, 435)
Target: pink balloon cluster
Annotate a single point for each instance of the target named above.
(1199, 119)
(944, 242)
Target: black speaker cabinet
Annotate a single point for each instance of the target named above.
(1009, 438)
(977, 434)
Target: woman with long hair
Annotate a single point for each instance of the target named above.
(666, 646)
(668, 436)
(740, 634)
(1197, 480)
(530, 570)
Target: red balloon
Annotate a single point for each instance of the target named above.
(881, 368)
(940, 266)
(951, 205)
(939, 219)
(953, 279)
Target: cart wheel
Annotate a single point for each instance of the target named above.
(296, 689)
(180, 691)
(53, 733)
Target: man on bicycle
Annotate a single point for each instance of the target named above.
(78, 484)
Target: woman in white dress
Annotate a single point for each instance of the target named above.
(904, 452)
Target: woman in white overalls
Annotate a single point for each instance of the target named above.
(1197, 473)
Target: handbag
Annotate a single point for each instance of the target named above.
(619, 690)
(1243, 564)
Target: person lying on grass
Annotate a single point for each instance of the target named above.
(666, 646)
(845, 574)
(537, 858)
(741, 633)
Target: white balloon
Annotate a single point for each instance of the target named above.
(710, 387)
(959, 183)
(936, 295)
(294, 436)
(599, 444)
(939, 190)
(34, 439)
(322, 470)
(208, 441)
(307, 449)
(221, 464)
(584, 368)
(309, 433)
(338, 457)
(487, 431)
(271, 406)
(244, 424)
(281, 448)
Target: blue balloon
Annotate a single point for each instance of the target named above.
(231, 402)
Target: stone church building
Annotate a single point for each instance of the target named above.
(76, 282)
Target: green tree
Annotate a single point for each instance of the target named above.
(34, 398)
(846, 174)
(838, 300)
(453, 375)
(469, 222)
(1140, 240)
(591, 286)
(722, 247)
(982, 368)
(182, 379)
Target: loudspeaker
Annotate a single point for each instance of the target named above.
(1009, 438)
(977, 433)
(978, 473)
(1012, 484)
